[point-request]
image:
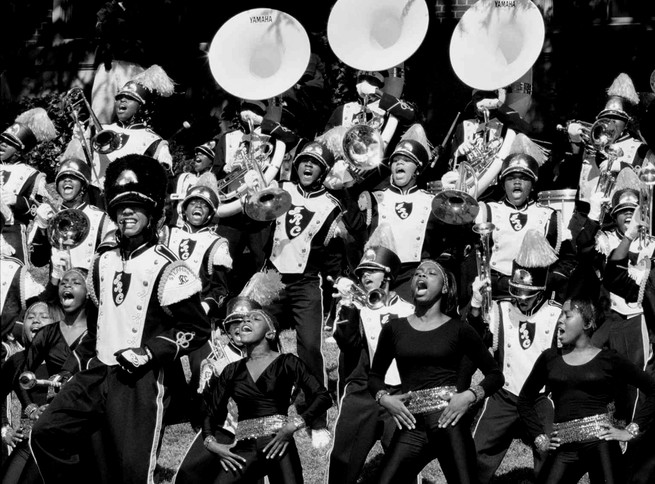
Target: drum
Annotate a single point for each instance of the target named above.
(564, 202)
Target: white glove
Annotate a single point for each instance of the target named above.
(43, 215)
(488, 104)
(8, 198)
(365, 88)
(575, 131)
(632, 231)
(5, 248)
(476, 297)
(449, 180)
(205, 306)
(596, 204)
(60, 263)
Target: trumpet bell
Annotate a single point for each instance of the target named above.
(267, 204)
(375, 35)
(363, 147)
(271, 54)
(484, 228)
(376, 298)
(106, 141)
(495, 43)
(68, 229)
(455, 207)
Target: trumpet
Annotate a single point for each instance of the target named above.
(373, 299)
(647, 178)
(483, 255)
(68, 229)
(28, 380)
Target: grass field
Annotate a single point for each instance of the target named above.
(515, 469)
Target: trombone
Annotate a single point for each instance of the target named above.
(647, 178)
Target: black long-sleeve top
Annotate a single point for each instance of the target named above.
(428, 359)
(269, 395)
(580, 391)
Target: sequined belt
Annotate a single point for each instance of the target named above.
(429, 400)
(582, 429)
(260, 427)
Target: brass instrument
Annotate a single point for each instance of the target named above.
(602, 135)
(373, 299)
(483, 256)
(647, 178)
(456, 206)
(68, 229)
(28, 380)
(104, 141)
(481, 156)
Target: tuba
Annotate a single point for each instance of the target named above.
(373, 35)
(271, 56)
(456, 206)
(493, 46)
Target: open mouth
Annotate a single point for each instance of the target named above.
(127, 223)
(197, 213)
(245, 329)
(66, 295)
(421, 287)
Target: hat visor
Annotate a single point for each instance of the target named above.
(523, 291)
(186, 201)
(314, 156)
(132, 198)
(517, 169)
(622, 207)
(12, 141)
(412, 157)
(369, 265)
(205, 151)
(73, 173)
(233, 318)
(130, 95)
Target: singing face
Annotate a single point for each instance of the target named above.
(72, 291)
(623, 219)
(197, 212)
(37, 316)
(69, 187)
(126, 108)
(570, 324)
(528, 302)
(309, 171)
(202, 163)
(7, 151)
(403, 171)
(372, 279)
(427, 283)
(234, 332)
(131, 220)
(518, 187)
(254, 328)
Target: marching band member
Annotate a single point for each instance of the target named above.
(514, 216)
(522, 327)
(261, 385)
(430, 349)
(584, 381)
(635, 284)
(305, 247)
(625, 328)
(149, 315)
(361, 422)
(19, 182)
(626, 148)
(202, 163)
(407, 209)
(72, 181)
(133, 134)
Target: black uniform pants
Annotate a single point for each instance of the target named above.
(129, 410)
(360, 423)
(600, 458)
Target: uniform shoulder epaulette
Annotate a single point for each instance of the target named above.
(552, 302)
(166, 253)
(334, 200)
(364, 201)
(106, 246)
(504, 299)
(219, 254)
(177, 283)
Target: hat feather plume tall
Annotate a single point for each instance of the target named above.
(155, 79)
(263, 287)
(535, 251)
(40, 124)
(382, 236)
(623, 87)
(416, 132)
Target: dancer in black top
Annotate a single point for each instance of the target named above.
(584, 381)
(433, 352)
(261, 385)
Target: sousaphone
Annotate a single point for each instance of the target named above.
(496, 43)
(259, 53)
(375, 35)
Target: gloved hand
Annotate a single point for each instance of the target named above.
(449, 180)
(575, 131)
(366, 89)
(596, 202)
(43, 215)
(5, 248)
(131, 359)
(58, 380)
(61, 262)
(478, 286)
(632, 231)
(488, 104)
(8, 198)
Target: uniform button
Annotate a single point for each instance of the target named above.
(139, 308)
(547, 331)
(145, 283)
(134, 330)
(509, 345)
(304, 250)
(506, 383)
(418, 238)
(156, 262)
(493, 263)
(422, 221)
(508, 365)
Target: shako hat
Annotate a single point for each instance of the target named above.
(520, 163)
(206, 188)
(622, 98)
(74, 167)
(380, 253)
(145, 86)
(207, 149)
(29, 129)
(414, 145)
(317, 151)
